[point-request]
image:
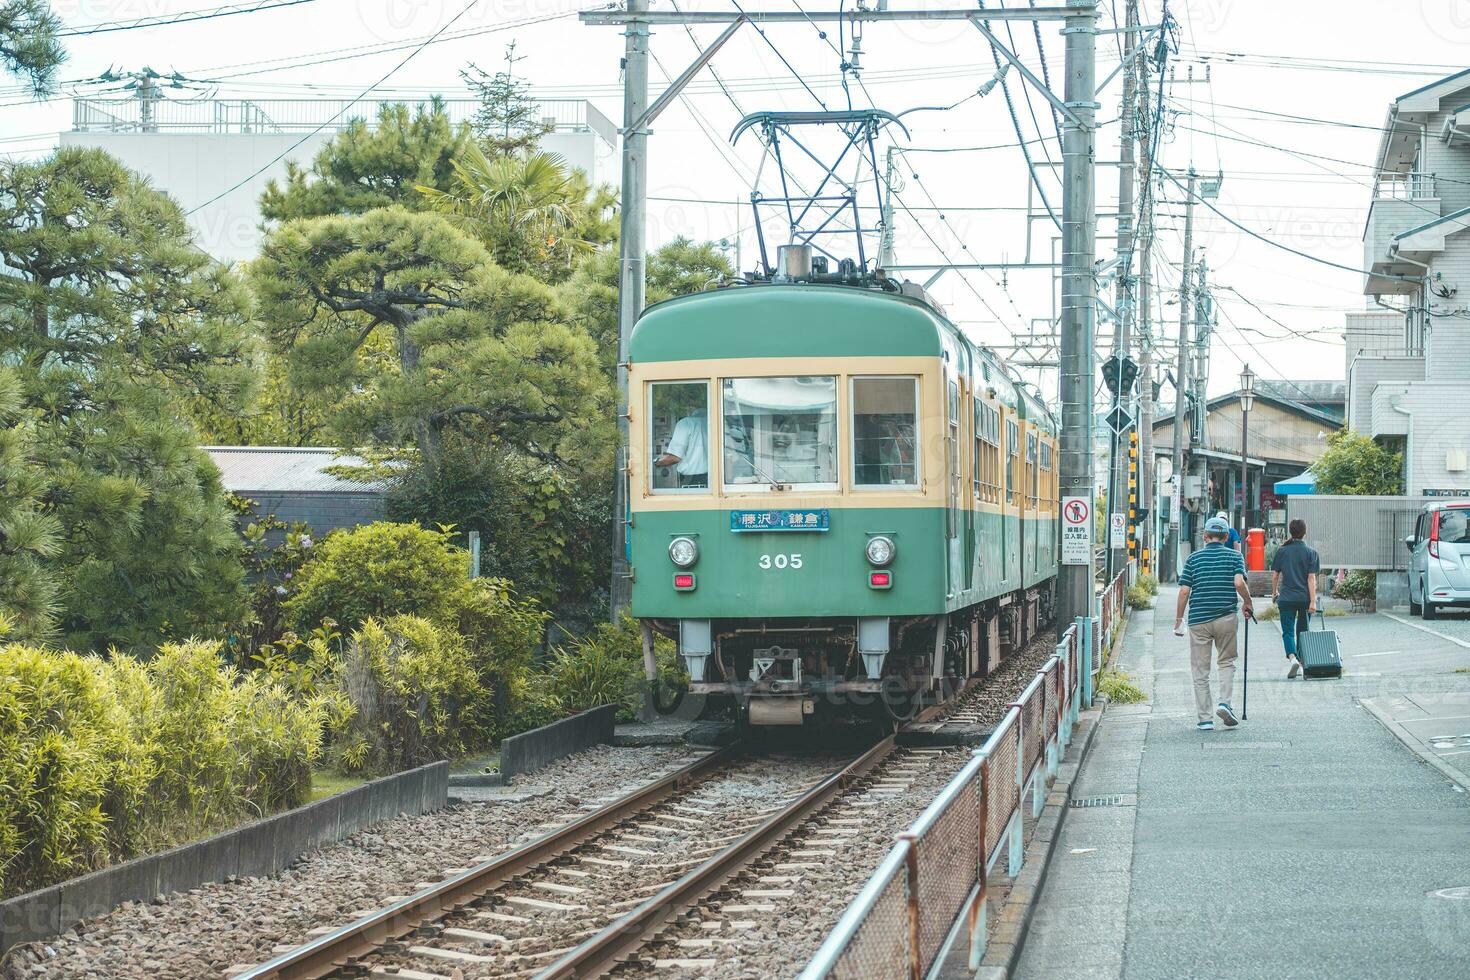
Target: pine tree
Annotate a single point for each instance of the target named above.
(28, 535)
(366, 167)
(508, 122)
(29, 43)
(115, 323)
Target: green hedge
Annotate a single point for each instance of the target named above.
(101, 760)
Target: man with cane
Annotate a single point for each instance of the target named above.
(1209, 585)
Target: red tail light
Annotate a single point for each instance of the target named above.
(1434, 536)
(880, 580)
(684, 582)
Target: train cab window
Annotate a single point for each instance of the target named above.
(678, 436)
(885, 418)
(780, 432)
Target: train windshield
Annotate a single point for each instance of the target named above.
(780, 431)
(884, 439)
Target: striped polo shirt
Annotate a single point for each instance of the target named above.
(1210, 575)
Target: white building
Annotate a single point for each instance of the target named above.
(198, 151)
(1408, 356)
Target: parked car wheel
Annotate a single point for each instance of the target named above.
(1431, 611)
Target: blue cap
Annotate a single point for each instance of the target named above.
(1217, 525)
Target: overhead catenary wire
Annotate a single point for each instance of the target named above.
(362, 95)
(168, 20)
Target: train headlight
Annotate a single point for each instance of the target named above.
(683, 552)
(880, 550)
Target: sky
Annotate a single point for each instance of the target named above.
(1284, 99)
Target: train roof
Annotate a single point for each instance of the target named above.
(788, 320)
(815, 320)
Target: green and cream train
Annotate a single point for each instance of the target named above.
(838, 503)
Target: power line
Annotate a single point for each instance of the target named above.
(335, 116)
(168, 20)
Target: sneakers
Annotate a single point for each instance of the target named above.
(1206, 726)
(1294, 666)
(1223, 712)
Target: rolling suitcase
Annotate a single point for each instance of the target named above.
(1319, 653)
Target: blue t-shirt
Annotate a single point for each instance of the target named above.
(1233, 539)
(1210, 575)
(1296, 562)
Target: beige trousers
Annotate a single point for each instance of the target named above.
(1219, 635)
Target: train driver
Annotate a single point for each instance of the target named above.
(688, 451)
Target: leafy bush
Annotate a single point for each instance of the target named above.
(1269, 614)
(374, 571)
(1139, 597)
(412, 690)
(1148, 583)
(1360, 584)
(605, 667)
(101, 760)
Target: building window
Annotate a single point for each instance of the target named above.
(780, 431)
(885, 419)
(678, 436)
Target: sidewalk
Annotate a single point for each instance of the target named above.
(1309, 842)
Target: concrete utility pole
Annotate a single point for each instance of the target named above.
(1075, 588)
(1148, 547)
(1181, 378)
(1199, 384)
(631, 277)
(1124, 297)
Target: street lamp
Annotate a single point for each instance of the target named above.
(1247, 398)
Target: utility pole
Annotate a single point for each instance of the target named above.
(1124, 297)
(1076, 587)
(1181, 380)
(1199, 404)
(1148, 547)
(631, 278)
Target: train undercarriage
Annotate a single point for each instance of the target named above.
(834, 670)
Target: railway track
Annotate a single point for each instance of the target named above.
(574, 900)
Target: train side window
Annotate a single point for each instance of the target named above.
(885, 420)
(1031, 466)
(678, 436)
(1013, 457)
(987, 453)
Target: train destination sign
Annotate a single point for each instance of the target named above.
(815, 519)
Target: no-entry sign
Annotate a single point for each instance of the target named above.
(1076, 531)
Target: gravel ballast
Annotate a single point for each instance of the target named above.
(201, 932)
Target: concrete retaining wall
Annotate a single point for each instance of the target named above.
(260, 848)
(542, 746)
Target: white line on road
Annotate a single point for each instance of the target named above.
(1426, 629)
(1385, 653)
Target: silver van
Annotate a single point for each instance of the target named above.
(1439, 558)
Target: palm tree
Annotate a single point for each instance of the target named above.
(528, 210)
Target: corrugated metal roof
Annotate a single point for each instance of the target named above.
(285, 469)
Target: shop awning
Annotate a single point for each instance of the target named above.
(1303, 483)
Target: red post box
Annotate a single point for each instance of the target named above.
(1255, 549)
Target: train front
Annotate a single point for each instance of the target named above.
(787, 494)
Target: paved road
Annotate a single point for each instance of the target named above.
(1308, 843)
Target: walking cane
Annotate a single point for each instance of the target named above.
(1245, 686)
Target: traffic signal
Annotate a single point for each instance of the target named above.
(1119, 373)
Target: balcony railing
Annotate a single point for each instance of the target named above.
(1404, 186)
(296, 115)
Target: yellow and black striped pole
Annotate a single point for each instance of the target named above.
(1133, 502)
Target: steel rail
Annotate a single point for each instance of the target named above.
(603, 951)
(335, 949)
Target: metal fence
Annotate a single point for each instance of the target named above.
(1358, 532)
(298, 115)
(929, 893)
